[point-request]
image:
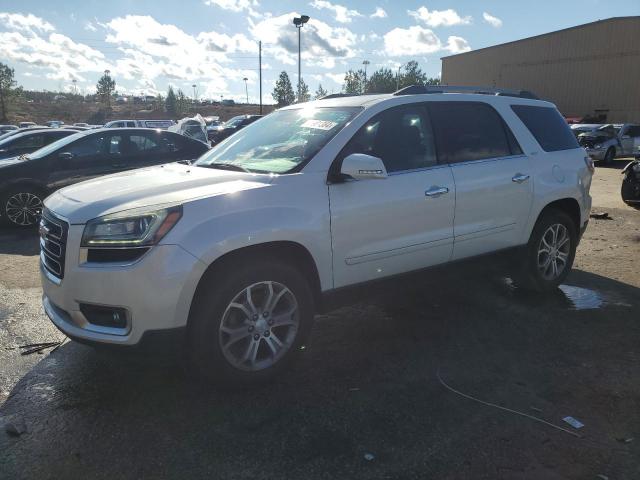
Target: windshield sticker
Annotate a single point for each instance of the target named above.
(319, 124)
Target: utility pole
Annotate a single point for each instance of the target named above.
(364, 87)
(246, 89)
(398, 78)
(260, 71)
(299, 23)
(194, 93)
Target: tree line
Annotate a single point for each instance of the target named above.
(356, 82)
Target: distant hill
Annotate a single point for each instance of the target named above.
(73, 109)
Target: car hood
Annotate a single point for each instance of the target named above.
(148, 187)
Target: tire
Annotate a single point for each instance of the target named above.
(630, 190)
(21, 206)
(537, 268)
(609, 156)
(218, 342)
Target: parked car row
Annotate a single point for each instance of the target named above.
(607, 142)
(27, 176)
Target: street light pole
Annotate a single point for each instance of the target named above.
(364, 87)
(299, 22)
(194, 93)
(246, 89)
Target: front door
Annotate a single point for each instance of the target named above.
(403, 222)
(81, 160)
(494, 188)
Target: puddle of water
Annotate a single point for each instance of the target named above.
(567, 296)
(582, 298)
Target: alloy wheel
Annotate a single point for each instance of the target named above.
(259, 326)
(23, 208)
(553, 251)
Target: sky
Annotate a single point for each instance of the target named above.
(213, 44)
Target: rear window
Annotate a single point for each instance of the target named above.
(547, 126)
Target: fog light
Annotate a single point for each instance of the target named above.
(112, 317)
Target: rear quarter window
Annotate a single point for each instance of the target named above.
(547, 126)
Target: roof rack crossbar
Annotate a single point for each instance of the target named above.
(422, 89)
(339, 95)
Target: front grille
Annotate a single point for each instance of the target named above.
(53, 242)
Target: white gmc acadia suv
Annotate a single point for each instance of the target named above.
(236, 252)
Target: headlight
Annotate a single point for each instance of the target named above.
(130, 229)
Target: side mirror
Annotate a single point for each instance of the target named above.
(361, 166)
(65, 156)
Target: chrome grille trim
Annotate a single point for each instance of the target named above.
(53, 239)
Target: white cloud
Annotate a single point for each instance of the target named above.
(491, 20)
(25, 23)
(335, 77)
(90, 27)
(319, 40)
(233, 5)
(342, 13)
(379, 13)
(457, 45)
(439, 18)
(414, 40)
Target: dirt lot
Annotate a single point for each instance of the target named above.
(367, 386)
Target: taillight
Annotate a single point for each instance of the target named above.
(590, 165)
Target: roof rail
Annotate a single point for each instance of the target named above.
(422, 89)
(339, 95)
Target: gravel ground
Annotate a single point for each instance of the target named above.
(365, 399)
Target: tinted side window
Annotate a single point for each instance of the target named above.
(143, 142)
(87, 147)
(633, 131)
(547, 126)
(402, 137)
(32, 141)
(467, 131)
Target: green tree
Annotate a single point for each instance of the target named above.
(158, 102)
(8, 90)
(381, 81)
(412, 74)
(171, 103)
(354, 82)
(303, 92)
(433, 81)
(283, 93)
(182, 104)
(320, 92)
(105, 89)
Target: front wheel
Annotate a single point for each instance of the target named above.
(550, 252)
(249, 321)
(609, 156)
(21, 206)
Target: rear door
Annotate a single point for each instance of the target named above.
(630, 139)
(403, 222)
(494, 190)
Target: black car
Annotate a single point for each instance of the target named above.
(7, 128)
(30, 141)
(231, 127)
(26, 180)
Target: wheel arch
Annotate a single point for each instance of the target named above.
(289, 252)
(568, 205)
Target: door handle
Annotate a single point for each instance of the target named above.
(520, 177)
(436, 191)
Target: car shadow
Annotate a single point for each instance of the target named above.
(366, 384)
(19, 241)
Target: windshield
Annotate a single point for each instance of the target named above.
(52, 147)
(282, 141)
(235, 121)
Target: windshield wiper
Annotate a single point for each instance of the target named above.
(226, 166)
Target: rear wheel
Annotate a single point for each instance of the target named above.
(630, 191)
(249, 322)
(550, 252)
(609, 156)
(21, 206)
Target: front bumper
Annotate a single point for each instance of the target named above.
(156, 292)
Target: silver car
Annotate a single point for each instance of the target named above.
(611, 141)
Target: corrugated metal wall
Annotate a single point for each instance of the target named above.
(582, 69)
